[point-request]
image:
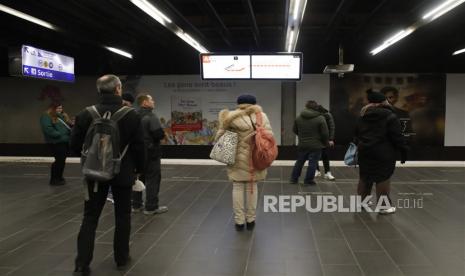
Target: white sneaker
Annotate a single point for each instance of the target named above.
(390, 210)
(160, 210)
(329, 176)
(317, 173)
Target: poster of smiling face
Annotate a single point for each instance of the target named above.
(418, 100)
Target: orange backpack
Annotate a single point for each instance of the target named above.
(264, 148)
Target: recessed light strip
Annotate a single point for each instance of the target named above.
(192, 42)
(294, 21)
(119, 52)
(442, 9)
(27, 17)
(400, 35)
(151, 10)
(164, 20)
(459, 52)
(296, 9)
(438, 11)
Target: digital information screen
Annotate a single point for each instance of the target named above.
(270, 66)
(276, 66)
(225, 66)
(38, 63)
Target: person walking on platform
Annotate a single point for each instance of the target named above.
(56, 127)
(378, 137)
(131, 138)
(153, 134)
(242, 121)
(312, 131)
(324, 151)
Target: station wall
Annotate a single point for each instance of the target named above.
(24, 100)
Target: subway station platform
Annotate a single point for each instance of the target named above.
(39, 225)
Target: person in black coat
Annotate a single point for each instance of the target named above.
(378, 138)
(133, 162)
(153, 134)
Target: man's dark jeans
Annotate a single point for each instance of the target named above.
(92, 210)
(151, 179)
(302, 157)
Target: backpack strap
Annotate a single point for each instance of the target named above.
(118, 115)
(93, 112)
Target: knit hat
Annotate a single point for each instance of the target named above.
(128, 97)
(246, 99)
(375, 97)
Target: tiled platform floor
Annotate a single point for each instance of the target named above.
(39, 224)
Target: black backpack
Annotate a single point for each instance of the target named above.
(100, 156)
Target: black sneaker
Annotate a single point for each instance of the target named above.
(239, 227)
(123, 265)
(309, 183)
(81, 271)
(57, 182)
(250, 225)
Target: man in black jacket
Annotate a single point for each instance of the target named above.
(131, 133)
(324, 152)
(153, 134)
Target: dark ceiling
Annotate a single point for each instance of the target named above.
(226, 25)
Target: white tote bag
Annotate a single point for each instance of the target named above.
(224, 150)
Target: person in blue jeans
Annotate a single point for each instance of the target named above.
(312, 131)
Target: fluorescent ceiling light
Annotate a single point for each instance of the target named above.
(459, 52)
(27, 17)
(156, 14)
(296, 9)
(438, 11)
(294, 20)
(119, 52)
(291, 39)
(442, 9)
(151, 10)
(192, 42)
(390, 41)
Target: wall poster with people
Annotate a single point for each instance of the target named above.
(418, 100)
(188, 107)
(186, 113)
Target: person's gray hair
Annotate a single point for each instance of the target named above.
(107, 84)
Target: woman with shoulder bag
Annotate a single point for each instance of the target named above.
(56, 128)
(241, 173)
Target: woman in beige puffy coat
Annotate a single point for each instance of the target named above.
(242, 174)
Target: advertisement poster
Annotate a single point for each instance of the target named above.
(186, 114)
(418, 100)
(188, 106)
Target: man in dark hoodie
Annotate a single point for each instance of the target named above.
(153, 134)
(312, 130)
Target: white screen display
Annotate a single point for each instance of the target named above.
(276, 66)
(225, 66)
